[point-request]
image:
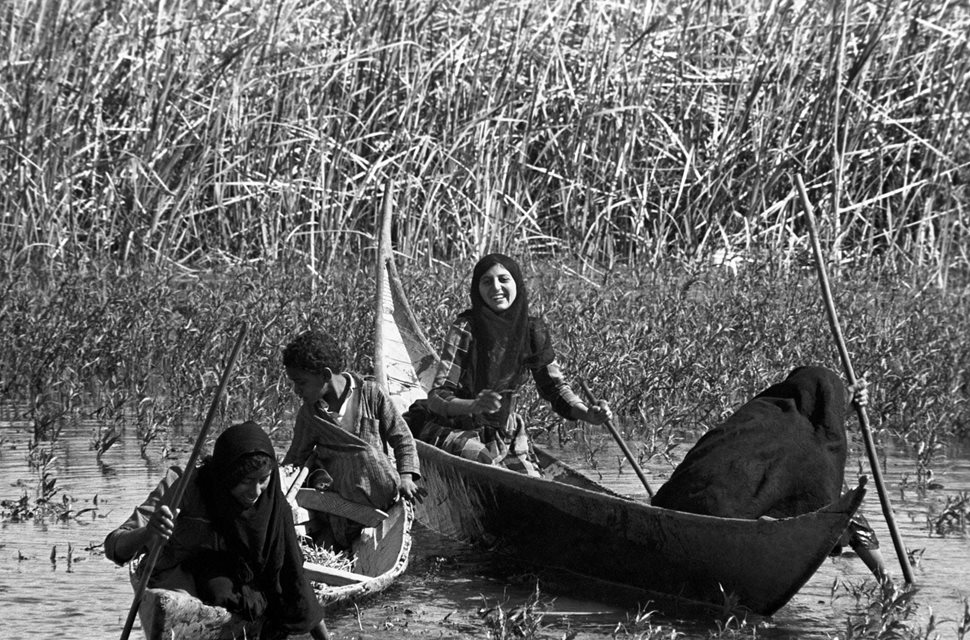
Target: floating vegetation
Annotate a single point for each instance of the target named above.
(643, 627)
(521, 621)
(952, 517)
(43, 509)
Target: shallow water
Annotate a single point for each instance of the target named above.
(55, 583)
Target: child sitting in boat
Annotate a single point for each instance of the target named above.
(343, 432)
(233, 543)
(489, 350)
(781, 454)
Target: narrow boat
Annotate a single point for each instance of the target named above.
(378, 557)
(565, 521)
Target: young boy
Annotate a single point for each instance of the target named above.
(343, 432)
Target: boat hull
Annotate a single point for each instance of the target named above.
(754, 565)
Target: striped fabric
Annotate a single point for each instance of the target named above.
(516, 454)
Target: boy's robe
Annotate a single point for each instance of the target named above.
(781, 454)
(360, 473)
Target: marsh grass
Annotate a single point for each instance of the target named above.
(522, 621)
(617, 132)
(674, 349)
(885, 611)
(952, 517)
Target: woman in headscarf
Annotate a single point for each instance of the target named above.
(781, 454)
(232, 543)
(488, 352)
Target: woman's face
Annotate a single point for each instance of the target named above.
(250, 488)
(497, 288)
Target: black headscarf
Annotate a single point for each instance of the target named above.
(262, 536)
(508, 340)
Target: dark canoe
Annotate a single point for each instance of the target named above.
(570, 523)
(380, 555)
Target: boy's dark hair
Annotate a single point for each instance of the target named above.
(313, 351)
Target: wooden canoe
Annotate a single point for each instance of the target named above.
(380, 555)
(570, 523)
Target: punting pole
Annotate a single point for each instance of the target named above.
(887, 509)
(619, 440)
(173, 504)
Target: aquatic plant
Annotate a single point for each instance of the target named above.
(104, 439)
(520, 621)
(885, 611)
(963, 626)
(952, 517)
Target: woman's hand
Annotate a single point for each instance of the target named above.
(859, 392)
(162, 523)
(599, 413)
(487, 401)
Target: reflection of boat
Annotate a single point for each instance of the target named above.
(567, 522)
(379, 555)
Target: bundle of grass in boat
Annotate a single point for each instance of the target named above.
(325, 556)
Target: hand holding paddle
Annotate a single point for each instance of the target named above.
(176, 498)
(616, 436)
(162, 524)
(823, 280)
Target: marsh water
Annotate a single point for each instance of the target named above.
(55, 582)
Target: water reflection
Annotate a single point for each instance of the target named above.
(79, 594)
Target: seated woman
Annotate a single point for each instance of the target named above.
(781, 454)
(231, 542)
(489, 350)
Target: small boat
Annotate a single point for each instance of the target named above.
(378, 556)
(606, 542)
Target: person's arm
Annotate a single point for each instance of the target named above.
(552, 386)
(445, 399)
(395, 431)
(129, 543)
(150, 521)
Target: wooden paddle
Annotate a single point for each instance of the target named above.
(180, 487)
(823, 281)
(619, 440)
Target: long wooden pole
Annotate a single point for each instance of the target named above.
(887, 509)
(619, 440)
(176, 499)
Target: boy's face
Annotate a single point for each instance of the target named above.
(308, 385)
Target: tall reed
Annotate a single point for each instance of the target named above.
(630, 131)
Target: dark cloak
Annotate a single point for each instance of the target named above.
(781, 454)
(262, 537)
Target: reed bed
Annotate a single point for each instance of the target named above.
(673, 349)
(154, 132)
